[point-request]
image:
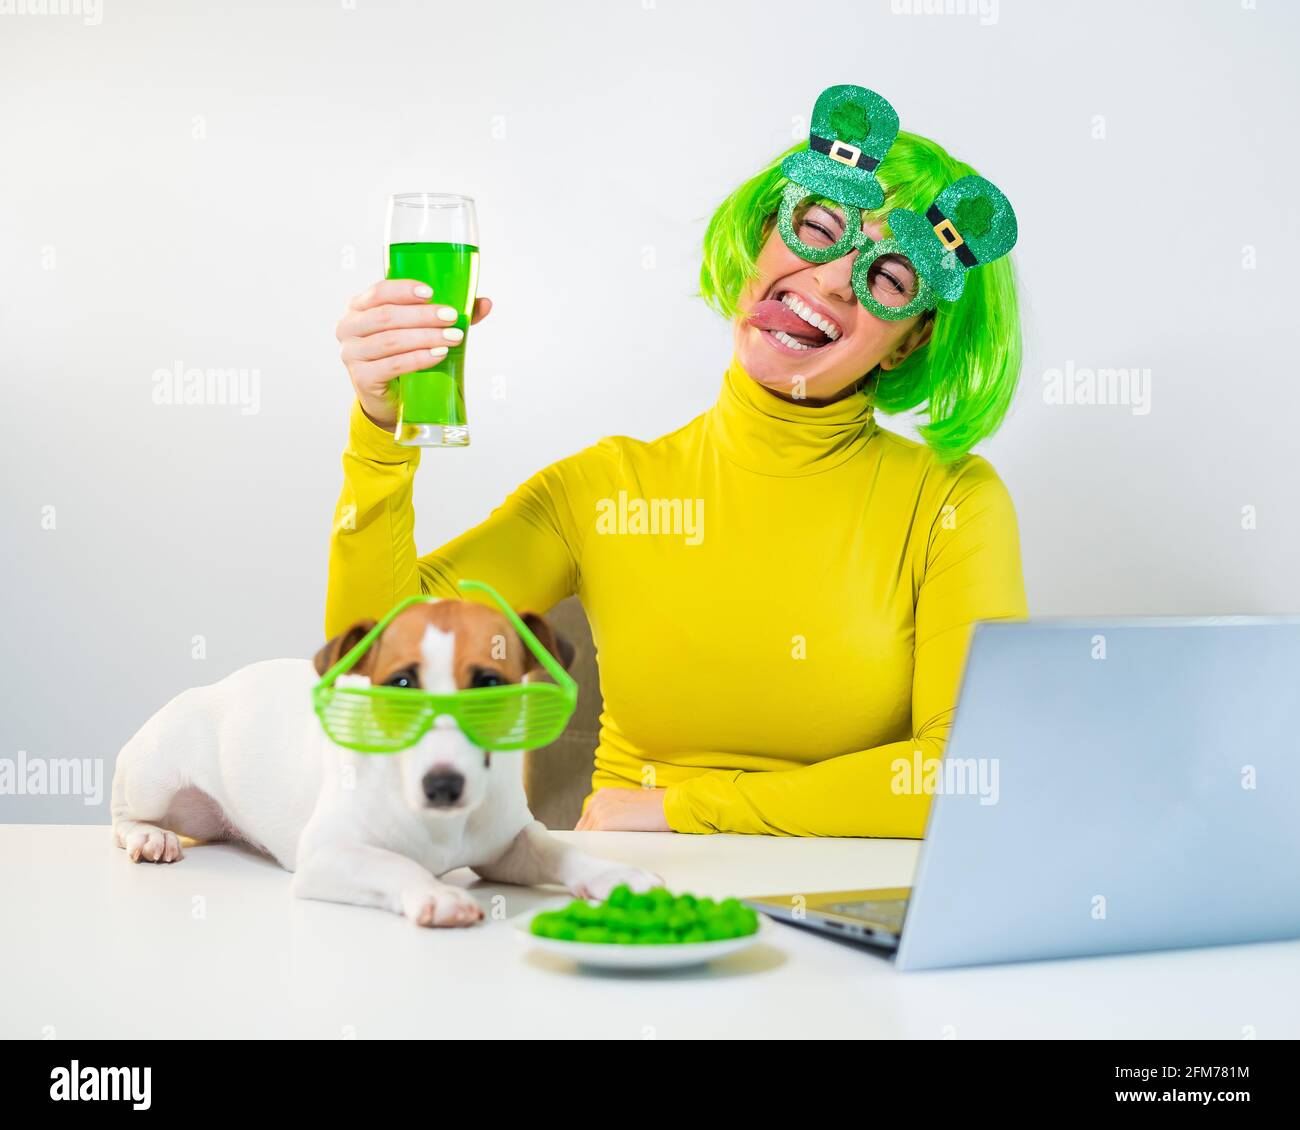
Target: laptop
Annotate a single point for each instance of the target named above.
(1107, 788)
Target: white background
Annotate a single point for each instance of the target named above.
(205, 183)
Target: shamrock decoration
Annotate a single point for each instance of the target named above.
(974, 216)
(849, 121)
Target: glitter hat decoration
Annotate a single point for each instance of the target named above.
(851, 131)
(970, 223)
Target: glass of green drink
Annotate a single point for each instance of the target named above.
(433, 237)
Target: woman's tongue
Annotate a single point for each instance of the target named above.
(771, 314)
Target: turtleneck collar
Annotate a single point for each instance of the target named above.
(763, 433)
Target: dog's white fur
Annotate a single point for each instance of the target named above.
(246, 759)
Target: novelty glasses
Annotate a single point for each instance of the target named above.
(884, 279)
(498, 719)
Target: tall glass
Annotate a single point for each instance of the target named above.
(433, 237)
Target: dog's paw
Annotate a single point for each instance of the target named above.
(599, 885)
(145, 843)
(449, 906)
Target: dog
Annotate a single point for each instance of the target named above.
(246, 759)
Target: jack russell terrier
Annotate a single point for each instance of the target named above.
(246, 759)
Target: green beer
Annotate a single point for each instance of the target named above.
(437, 396)
(433, 237)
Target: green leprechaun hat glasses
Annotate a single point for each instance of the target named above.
(969, 224)
(852, 129)
(371, 719)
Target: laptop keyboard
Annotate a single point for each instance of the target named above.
(887, 913)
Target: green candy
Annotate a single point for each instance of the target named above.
(584, 913)
(640, 919)
(655, 918)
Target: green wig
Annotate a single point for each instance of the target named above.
(966, 375)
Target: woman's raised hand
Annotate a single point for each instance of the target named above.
(390, 329)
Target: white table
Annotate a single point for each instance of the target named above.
(214, 946)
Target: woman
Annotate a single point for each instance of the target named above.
(781, 592)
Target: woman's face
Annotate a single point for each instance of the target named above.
(783, 351)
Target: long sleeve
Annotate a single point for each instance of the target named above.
(523, 548)
(971, 571)
(781, 596)
(372, 544)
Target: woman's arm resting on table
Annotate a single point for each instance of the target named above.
(624, 810)
(972, 573)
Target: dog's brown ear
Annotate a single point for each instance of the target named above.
(550, 639)
(341, 644)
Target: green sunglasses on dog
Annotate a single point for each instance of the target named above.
(382, 720)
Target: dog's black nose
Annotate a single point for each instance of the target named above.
(443, 787)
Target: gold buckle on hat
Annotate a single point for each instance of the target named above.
(948, 235)
(844, 153)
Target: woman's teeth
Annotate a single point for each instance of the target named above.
(785, 339)
(806, 312)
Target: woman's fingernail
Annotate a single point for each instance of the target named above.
(453, 334)
(447, 313)
(439, 353)
(423, 291)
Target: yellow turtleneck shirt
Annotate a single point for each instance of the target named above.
(781, 597)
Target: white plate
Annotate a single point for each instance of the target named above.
(615, 955)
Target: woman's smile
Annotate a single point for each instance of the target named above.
(793, 322)
(803, 333)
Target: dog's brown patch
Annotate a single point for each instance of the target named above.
(485, 641)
